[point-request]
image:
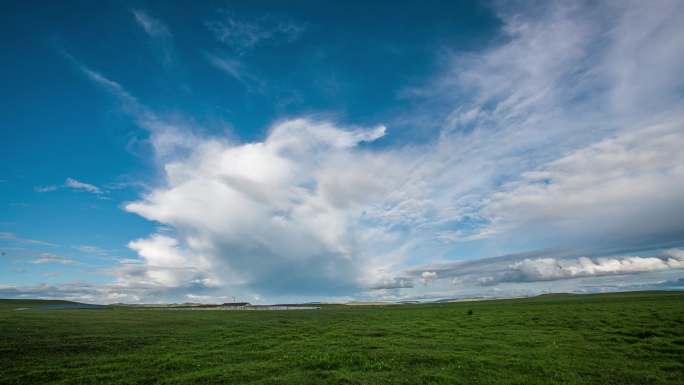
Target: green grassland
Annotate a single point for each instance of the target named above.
(628, 338)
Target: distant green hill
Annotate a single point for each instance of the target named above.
(43, 304)
(12, 303)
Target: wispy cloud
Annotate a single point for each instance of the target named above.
(129, 102)
(158, 31)
(50, 258)
(76, 185)
(524, 105)
(89, 249)
(235, 69)
(242, 35)
(152, 26)
(392, 283)
(12, 237)
(46, 188)
(167, 138)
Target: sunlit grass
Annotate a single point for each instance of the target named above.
(631, 338)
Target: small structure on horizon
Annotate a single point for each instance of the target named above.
(236, 304)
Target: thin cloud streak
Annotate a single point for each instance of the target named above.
(7, 236)
(49, 258)
(152, 26)
(159, 32)
(235, 69)
(78, 185)
(43, 189)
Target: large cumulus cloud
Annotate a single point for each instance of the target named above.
(566, 132)
(282, 214)
(542, 139)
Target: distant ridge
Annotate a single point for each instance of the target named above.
(46, 304)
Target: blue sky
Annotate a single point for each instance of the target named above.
(276, 152)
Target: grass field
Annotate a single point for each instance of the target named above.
(628, 338)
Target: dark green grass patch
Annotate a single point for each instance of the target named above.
(628, 338)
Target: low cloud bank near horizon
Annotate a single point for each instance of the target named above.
(527, 269)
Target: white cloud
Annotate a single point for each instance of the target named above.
(46, 188)
(645, 56)
(77, 185)
(542, 269)
(166, 265)
(624, 187)
(528, 269)
(427, 276)
(677, 254)
(540, 121)
(264, 211)
(50, 258)
(535, 144)
(71, 183)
